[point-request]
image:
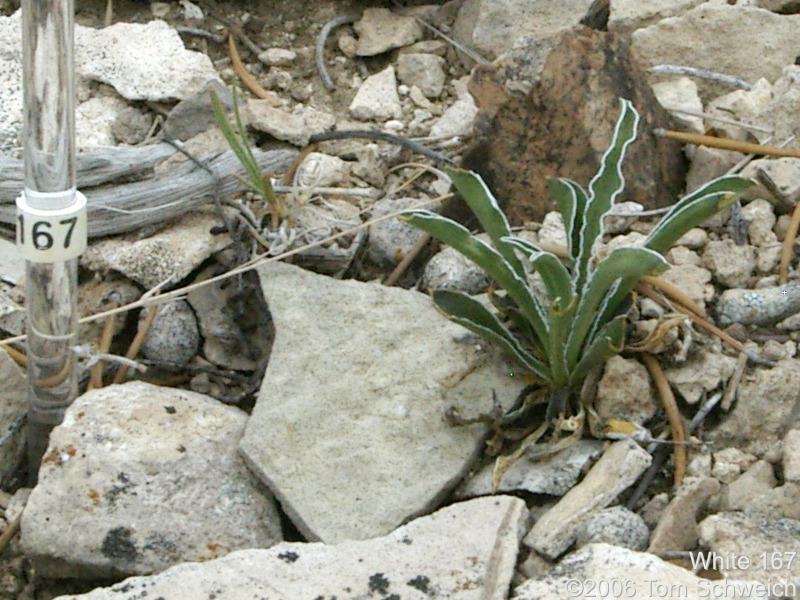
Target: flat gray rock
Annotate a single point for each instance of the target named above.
(554, 476)
(618, 468)
(171, 253)
(139, 478)
(466, 551)
(348, 429)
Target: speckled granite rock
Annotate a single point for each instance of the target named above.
(563, 126)
(139, 478)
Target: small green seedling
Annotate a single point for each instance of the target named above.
(258, 182)
(581, 321)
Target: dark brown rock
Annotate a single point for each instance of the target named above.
(561, 121)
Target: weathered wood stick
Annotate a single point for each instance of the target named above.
(126, 207)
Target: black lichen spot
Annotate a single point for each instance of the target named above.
(170, 410)
(406, 540)
(118, 545)
(288, 556)
(391, 597)
(379, 583)
(421, 583)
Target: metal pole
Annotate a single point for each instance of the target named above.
(51, 217)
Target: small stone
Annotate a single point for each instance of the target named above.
(774, 351)
(390, 240)
(677, 528)
(94, 121)
(173, 336)
(729, 463)
(437, 47)
(131, 126)
(379, 30)
(278, 57)
(782, 178)
(624, 392)
(160, 10)
(618, 468)
(418, 98)
(617, 224)
(425, 71)
(552, 232)
(348, 44)
(617, 526)
(681, 94)
(730, 264)
(553, 477)
(700, 373)
(761, 216)
(708, 164)
(693, 239)
(692, 280)
(681, 255)
(652, 511)
(791, 456)
(322, 170)
(195, 114)
(451, 270)
(699, 466)
(377, 98)
(456, 120)
(763, 306)
(369, 165)
(742, 493)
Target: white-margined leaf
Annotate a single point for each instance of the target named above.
(604, 188)
(471, 314)
(487, 258)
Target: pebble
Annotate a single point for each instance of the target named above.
(173, 336)
(618, 526)
(278, 57)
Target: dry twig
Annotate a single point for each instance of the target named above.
(788, 244)
(727, 144)
(673, 414)
(247, 78)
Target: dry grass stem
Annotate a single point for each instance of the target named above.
(673, 414)
(711, 141)
(247, 78)
(788, 244)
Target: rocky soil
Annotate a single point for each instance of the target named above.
(288, 438)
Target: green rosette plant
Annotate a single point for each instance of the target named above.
(581, 320)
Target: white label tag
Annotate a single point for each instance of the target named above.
(52, 235)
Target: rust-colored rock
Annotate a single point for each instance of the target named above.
(562, 126)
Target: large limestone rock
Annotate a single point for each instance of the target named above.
(466, 551)
(348, 430)
(747, 42)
